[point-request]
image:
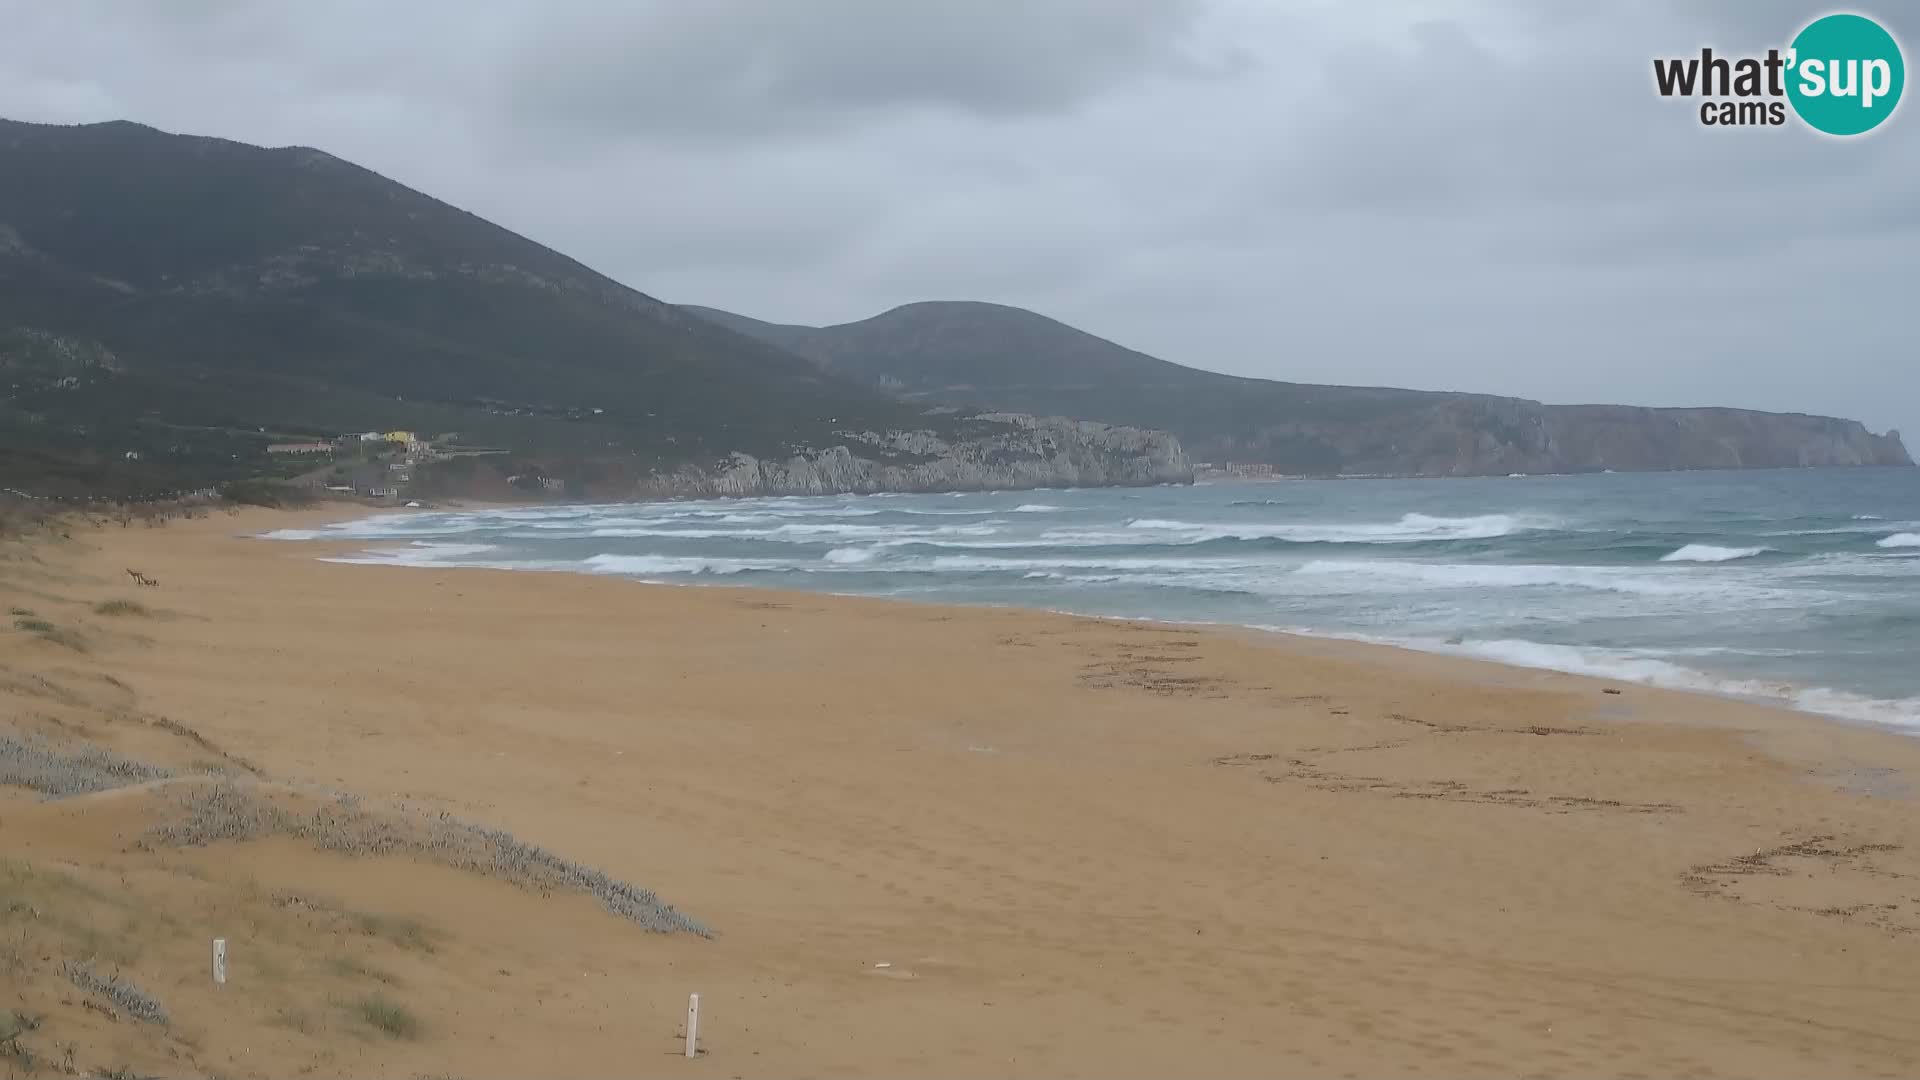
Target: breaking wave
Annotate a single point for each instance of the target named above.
(647, 565)
(1410, 529)
(1710, 553)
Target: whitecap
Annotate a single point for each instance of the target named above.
(1410, 529)
(643, 565)
(1710, 553)
(1385, 575)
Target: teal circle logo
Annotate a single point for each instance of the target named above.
(1846, 74)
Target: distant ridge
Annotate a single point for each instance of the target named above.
(171, 304)
(970, 353)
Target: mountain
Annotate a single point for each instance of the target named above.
(1007, 358)
(169, 304)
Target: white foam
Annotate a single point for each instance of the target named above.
(1710, 553)
(1624, 665)
(649, 565)
(418, 553)
(1410, 529)
(385, 527)
(849, 555)
(1378, 575)
(1646, 668)
(450, 551)
(1867, 525)
(1856, 564)
(1034, 508)
(804, 532)
(543, 513)
(980, 562)
(885, 531)
(1900, 540)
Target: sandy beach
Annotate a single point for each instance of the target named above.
(928, 841)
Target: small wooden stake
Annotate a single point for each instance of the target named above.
(219, 961)
(693, 1023)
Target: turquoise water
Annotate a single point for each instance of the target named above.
(1796, 586)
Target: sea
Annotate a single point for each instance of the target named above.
(1796, 587)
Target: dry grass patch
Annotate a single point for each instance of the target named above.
(33, 764)
(402, 930)
(18, 950)
(48, 632)
(349, 967)
(91, 945)
(121, 608)
(237, 811)
(299, 1020)
(129, 998)
(387, 1016)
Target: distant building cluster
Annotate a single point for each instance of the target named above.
(379, 464)
(377, 479)
(406, 439)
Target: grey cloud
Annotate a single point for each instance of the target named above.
(1564, 153)
(729, 66)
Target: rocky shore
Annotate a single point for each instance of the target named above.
(1011, 453)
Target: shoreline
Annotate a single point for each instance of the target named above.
(1851, 708)
(930, 840)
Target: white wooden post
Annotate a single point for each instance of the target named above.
(219, 961)
(693, 1023)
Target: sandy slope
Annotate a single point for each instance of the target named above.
(1084, 848)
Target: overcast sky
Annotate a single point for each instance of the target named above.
(1434, 193)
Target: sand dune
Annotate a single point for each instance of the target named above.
(928, 841)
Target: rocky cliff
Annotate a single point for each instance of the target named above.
(999, 451)
(991, 356)
(1618, 437)
(1466, 435)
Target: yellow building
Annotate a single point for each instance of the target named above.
(400, 437)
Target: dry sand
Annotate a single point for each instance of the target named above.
(932, 841)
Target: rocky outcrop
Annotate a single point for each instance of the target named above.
(997, 451)
(1476, 436)
(991, 356)
(1586, 437)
